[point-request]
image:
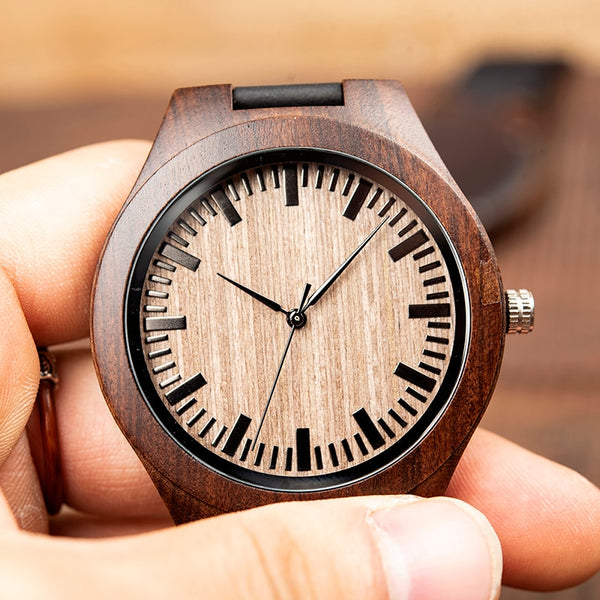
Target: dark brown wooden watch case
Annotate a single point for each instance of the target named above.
(201, 130)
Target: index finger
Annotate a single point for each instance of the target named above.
(54, 217)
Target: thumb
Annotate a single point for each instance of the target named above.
(364, 548)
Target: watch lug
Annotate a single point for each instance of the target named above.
(192, 114)
(383, 106)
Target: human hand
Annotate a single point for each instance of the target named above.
(54, 216)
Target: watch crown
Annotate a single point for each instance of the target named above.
(520, 311)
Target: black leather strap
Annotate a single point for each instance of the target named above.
(307, 94)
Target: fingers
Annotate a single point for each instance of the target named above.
(363, 548)
(20, 368)
(546, 515)
(54, 217)
(20, 487)
(532, 502)
(101, 472)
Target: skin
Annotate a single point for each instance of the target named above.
(54, 217)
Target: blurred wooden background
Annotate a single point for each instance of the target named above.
(75, 72)
(67, 48)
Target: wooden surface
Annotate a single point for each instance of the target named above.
(68, 47)
(550, 379)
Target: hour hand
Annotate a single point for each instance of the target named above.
(266, 301)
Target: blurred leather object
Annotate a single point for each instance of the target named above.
(494, 130)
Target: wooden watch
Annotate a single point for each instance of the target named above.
(297, 302)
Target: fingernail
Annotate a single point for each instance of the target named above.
(437, 548)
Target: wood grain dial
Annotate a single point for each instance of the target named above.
(365, 370)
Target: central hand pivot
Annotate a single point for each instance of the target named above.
(296, 318)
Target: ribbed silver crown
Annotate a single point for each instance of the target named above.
(520, 311)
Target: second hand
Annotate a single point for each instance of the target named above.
(298, 313)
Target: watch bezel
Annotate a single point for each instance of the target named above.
(135, 349)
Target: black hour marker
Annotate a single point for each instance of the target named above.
(386, 428)
(434, 281)
(436, 325)
(369, 428)
(164, 367)
(233, 191)
(375, 197)
(236, 435)
(408, 245)
(347, 451)
(275, 176)
(186, 227)
(290, 178)
(196, 417)
(348, 184)
(161, 264)
(289, 456)
(164, 323)
(197, 217)
(179, 256)
(358, 199)
(416, 394)
(246, 450)
(428, 367)
(397, 418)
(424, 253)
(246, 184)
(334, 179)
(219, 437)
(261, 180)
(154, 308)
(178, 239)
(303, 449)
(406, 229)
(208, 206)
(226, 207)
(319, 180)
(432, 354)
(386, 207)
(304, 175)
(334, 457)
(185, 407)
(437, 340)
(153, 339)
(318, 457)
(187, 387)
(407, 407)
(397, 217)
(437, 295)
(259, 454)
(159, 279)
(158, 353)
(207, 427)
(430, 266)
(156, 294)
(428, 311)
(274, 456)
(170, 381)
(360, 444)
(415, 377)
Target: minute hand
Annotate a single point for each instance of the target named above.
(332, 278)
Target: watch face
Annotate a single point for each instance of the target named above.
(297, 319)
